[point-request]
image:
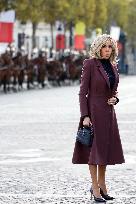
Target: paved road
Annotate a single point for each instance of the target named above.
(36, 143)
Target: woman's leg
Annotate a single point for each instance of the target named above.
(101, 178)
(95, 186)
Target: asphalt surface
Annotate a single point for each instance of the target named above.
(37, 135)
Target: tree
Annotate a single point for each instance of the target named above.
(6, 4)
(117, 13)
(95, 14)
(131, 24)
(53, 11)
(2, 5)
(100, 17)
(80, 10)
(30, 10)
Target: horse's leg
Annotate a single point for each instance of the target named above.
(42, 77)
(14, 84)
(4, 84)
(28, 83)
(20, 79)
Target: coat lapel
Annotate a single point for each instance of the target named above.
(100, 67)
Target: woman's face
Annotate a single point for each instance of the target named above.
(106, 50)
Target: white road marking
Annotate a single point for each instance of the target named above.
(41, 195)
(27, 156)
(130, 159)
(126, 121)
(34, 160)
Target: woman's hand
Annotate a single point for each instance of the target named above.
(87, 121)
(112, 101)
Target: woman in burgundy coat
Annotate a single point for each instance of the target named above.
(97, 97)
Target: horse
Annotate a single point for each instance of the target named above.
(39, 64)
(6, 72)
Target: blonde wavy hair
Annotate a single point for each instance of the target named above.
(100, 40)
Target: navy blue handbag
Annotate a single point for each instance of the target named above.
(85, 135)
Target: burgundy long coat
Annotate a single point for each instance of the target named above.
(93, 96)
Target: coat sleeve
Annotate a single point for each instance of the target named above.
(115, 93)
(84, 87)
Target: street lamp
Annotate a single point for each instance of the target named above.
(71, 27)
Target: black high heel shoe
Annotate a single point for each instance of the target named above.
(98, 200)
(106, 196)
